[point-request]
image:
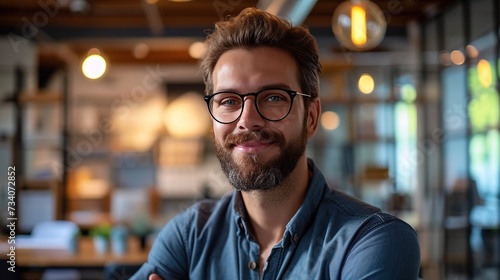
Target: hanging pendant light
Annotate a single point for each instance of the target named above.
(94, 65)
(359, 25)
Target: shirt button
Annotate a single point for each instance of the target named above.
(296, 238)
(252, 265)
(241, 225)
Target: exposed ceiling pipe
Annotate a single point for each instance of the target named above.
(153, 17)
(294, 10)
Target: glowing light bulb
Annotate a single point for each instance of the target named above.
(196, 50)
(471, 51)
(457, 57)
(358, 28)
(329, 120)
(94, 66)
(359, 25)
(366, 84)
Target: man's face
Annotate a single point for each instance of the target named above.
(257, 154)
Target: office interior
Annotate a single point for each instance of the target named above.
(410, 125)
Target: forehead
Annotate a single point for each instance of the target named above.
(252, 69)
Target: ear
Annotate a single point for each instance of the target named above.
(313, 117)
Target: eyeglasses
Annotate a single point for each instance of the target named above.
(273, 104)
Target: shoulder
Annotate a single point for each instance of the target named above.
(198, 216)
(361, 219)
(346, 204)
(375, 243)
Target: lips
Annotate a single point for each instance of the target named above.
(252, 142)
(252, 146)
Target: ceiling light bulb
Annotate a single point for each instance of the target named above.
(141, 50)
(329, 120)
(359, 25)
(366, 84)
(457, 57)
(197, 50)
(94, 66)
(471, 51)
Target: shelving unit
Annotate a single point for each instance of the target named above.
(364, 151)
(48, 184)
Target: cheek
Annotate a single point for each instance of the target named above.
(293, 124)
(220, 131)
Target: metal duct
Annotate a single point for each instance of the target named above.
(294, 10)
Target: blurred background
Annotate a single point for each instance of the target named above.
(105, 134)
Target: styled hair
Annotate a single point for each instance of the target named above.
(255, 28)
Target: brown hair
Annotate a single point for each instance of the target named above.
(255, 28)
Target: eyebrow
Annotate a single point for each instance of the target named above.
(278, 85)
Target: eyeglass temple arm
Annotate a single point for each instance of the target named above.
(303, 94)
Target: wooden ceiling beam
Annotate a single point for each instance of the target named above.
(126, 56)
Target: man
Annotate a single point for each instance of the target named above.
(283, 221)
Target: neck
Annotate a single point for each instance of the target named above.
(270, 211)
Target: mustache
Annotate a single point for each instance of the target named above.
(259, 136)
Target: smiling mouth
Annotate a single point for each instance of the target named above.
(252, 146)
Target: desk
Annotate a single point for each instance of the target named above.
(85, 257)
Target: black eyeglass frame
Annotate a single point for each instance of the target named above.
(291, 93)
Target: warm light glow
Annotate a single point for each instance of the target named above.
(152, 2)
(484, 73)
(186, 117)
(471, 51)
(93, 51)
(366, 84)
(358, 28)
(141, 50)
(136, 125)
(329, 120)
(359, 25)
(94, 66)
(196, 50)
(457, 57)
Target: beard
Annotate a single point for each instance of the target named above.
(250, 173)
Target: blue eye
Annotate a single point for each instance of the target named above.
(228, 102)
(275, 98)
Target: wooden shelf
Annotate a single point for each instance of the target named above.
(41, 97)
(39, 184)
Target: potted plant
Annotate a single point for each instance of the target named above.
(100, 235)
(141, 227)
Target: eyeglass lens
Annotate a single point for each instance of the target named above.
(272, 104)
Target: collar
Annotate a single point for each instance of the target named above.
(303, 217)
(240, 214)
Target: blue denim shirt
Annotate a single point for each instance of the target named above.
(331, 236)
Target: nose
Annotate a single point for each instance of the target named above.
(250, 118)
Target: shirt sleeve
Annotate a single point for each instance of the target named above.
(387, 251)
(168, 255)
